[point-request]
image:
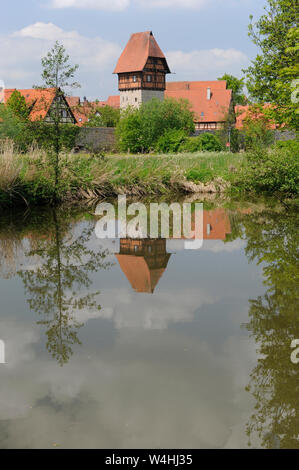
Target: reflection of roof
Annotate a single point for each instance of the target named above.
(140, 47)
(39, 99)
(143, 261)
(138, 273)
(206, 110)
(216, 224)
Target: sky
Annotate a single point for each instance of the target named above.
(202, 39)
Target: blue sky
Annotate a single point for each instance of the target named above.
(202, 39)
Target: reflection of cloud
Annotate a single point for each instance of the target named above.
(131, 396)
(217, 246)
(129, 310)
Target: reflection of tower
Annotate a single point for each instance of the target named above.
(143, 262)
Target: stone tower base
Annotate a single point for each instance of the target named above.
(135, 98)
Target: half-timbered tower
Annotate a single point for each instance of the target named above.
(141, 69)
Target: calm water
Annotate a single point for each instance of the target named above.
(144, 344)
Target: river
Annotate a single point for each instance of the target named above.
(124, 343)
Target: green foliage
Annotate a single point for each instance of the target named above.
(273, 75)
(104, 117)
(17, 104)
(139, 129)
(236, 138)
(57, 73)
(257, 130)
(171, 141)
(202, 175)
(205, 142)
(12, 127)
(291, 145)
(41, 134)
(237, 86)
(24, 133)
(271, 171)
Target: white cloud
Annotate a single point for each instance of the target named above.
(186, 4)
(21, 68)
(120, 5)
(91, 4)
(205, 64)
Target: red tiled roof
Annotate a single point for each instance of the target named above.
(39, 99)
(82, 110)
(140, 47)
(243, 112)
(213, 110)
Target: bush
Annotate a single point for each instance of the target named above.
(291, 145)
(140, 129)
(171, 141)
(205, 142)
(43, 135)
(258, 132)
(236, 139)
(276, 170)
(105, 116)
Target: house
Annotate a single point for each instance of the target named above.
(211, 101)
(83, 109)
(244, 112)
(42, 103)
(141, 70)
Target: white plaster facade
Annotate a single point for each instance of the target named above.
(135, 98)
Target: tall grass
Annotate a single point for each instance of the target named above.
(10, 167)
(88, 176)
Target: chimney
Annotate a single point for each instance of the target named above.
(209, 94)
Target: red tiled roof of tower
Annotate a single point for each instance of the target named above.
(39, 98)
(139, 48)
(206, 110)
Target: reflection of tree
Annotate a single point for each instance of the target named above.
(53, 286)
(274, 323)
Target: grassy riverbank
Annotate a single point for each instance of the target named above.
(30, 177)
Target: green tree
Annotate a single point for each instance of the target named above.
(105, 116)
(139, 129)
(237, 86)
(273, 74)
(17, 104)
(12, 127)
(57, 73)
